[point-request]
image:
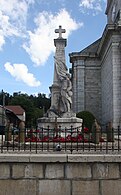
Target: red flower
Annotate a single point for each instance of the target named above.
(74, 139)
(68, 138)
(62, 139)
(27, 139)
(86, 129)
(37, 131)
(102, 139)
(31, 131)
(45, 139)
(80, 138)
(85, 140)
(58, 139)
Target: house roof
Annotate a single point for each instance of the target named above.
(18, 110)
(10, 114)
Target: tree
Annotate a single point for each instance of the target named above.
(33, 105)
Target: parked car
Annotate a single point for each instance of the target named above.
(15, 131)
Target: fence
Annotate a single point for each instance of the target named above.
(73, 140)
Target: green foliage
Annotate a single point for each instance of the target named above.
(33, 105)
(88, 118)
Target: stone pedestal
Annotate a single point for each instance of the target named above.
(63, 123)
(59, 127)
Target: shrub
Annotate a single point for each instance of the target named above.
(88, 118)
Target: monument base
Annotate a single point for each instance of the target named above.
(56, 122)
(51, 114)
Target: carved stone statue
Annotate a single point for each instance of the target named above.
(61, 89)
(65, 99)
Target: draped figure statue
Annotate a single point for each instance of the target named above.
(65, 99)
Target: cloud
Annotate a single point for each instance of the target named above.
(40, 44)
(2, 41)
(93, 5)
(15, 9)
(13, 16)
(20, 73)
(7, 29)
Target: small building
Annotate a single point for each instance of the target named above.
(18, 111)
(6, 116)
(2, 116)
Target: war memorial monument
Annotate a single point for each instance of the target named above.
(60, 112)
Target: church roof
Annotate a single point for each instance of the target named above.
(90, 51)
(91, 48)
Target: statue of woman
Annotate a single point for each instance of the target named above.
(65, 86)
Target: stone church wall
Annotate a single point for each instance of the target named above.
(97, 72)
(111, 82)
(93, 87)
(107, 87)
(78, 86)
(116, 83)
(87, 86)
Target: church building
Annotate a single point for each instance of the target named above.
(96, 72)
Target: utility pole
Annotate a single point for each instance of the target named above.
(3, 108)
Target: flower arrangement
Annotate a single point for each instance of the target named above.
(38, 136)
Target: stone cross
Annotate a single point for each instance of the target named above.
(60, 31)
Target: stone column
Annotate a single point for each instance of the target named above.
(116, 60)
(80, 85)
(22, 131)
(74, 87)
(110, 132)
(8, 131)
(95, 132)
(60, 44)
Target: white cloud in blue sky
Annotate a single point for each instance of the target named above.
(20, 73)
(40, 44)
(94, 5)
(13, 15)
(27, 33)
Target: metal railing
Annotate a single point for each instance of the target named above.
(73, 140)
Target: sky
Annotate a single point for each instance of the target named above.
(27, 33)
